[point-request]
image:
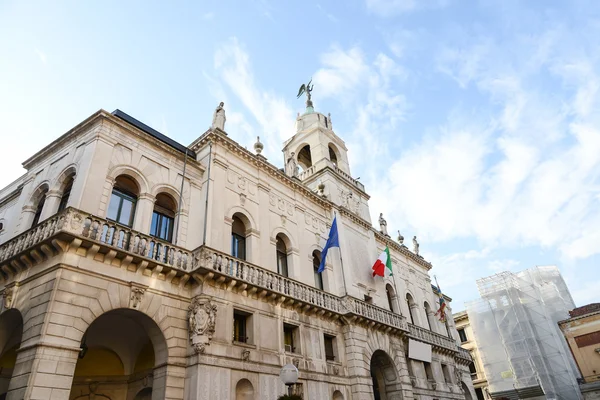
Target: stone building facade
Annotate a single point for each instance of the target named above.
(467, 340)
(133, 267)
(582, 333)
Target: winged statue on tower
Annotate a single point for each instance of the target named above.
(306, 88)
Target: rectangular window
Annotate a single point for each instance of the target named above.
(121, 208)
(238, 246)
(472, 369)
(428, 371)
(446, 373)
(162, 226)
(290, 338)
(329, 347)
(463, 335)
(242, 326)
(282, 265)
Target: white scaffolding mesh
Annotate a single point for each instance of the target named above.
(515, 327)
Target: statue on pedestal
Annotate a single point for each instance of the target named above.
(219, 117)
(291, 165)
(383, 225)
(415, 245)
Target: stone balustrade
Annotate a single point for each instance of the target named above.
(44, 240)
(229, 270)
(427, 336)
(464, 354)
(313, 169)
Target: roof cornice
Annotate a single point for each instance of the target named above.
(402, 249)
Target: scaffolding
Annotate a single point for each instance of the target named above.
(523, 352)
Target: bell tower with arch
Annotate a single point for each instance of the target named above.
(318, 157)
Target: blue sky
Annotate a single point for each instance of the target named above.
(473, 124)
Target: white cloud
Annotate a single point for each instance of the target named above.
(208, 16)
(273, 115)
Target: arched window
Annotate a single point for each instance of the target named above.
(391, 297)
(163, 217)
(304, 158)
(64, 198)
(238, 238)
(429, 315)
(411, 303)
(39, 207)
(122, 200)
(282, 261)
(316, 256)
(333, 156)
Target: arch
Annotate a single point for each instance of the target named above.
(304, 157)
(337, 395)
(11, 332)
(316, 263)
(163, 217)
(239, 233)
(429, 315)
(171, 191)
(410, 302)
(38, 200)
(68, 172)
(391, 298)
(282, 250)
(118, 344)
(144, 394)
(334, 153)
(65, 186)
(386, 384)
(286, 235)
(243, 215)
(466, 391)
(133, 173)
(123, 200)
(244, 390)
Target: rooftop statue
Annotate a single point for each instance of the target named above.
(306, 88)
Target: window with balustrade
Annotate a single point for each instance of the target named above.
(39, 207)
(316, 261)
(238, 237)
(123, 199)
(163, 217)
(282, 255)
(66, 193)
(411, 304)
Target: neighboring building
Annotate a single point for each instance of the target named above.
(523, 352)
(582, 332)
(133, 267)
(467, 341)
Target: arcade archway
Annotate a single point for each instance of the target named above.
(386, 383)
(119, 352)
(11, 330)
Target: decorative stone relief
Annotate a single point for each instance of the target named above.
(336, 370)
(202, 314)
(137, 293)
(246, 355)
(314, 222)
(296, 362)
(281, 204)
(349, 201)
(8, 297)
(242, 199)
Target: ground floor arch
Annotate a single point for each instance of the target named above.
(466, 391)
(120, 351)
(11, 331)
(385, 378)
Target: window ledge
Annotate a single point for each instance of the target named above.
(333, 362)
(242, 344)
(289, 353)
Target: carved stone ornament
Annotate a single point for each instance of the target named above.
(8, 297)
(296, 362)
(202, 315)
(137, 294)
(246, 355)
(336, 370)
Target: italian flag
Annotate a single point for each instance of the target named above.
(383, 265)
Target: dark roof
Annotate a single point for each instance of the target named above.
(154, 133)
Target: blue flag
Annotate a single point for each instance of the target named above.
(332, 241)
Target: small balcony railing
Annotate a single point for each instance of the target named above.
(425, 335)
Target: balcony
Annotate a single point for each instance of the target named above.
(464, 354)
(310, 171)
(250, 279)
(435, 339)
(96, 237)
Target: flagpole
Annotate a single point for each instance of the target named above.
(396, 289)
(341, 260)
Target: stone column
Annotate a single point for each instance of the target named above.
(143, 213)
(43, 372)
(168, 382)
(51, 204)
(26, 219)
